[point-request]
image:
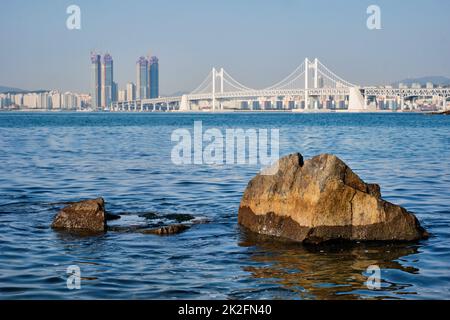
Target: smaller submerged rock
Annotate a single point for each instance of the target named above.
(167, 230)
(445, 112)
(112, 217)
(86, 215)
(89, 216)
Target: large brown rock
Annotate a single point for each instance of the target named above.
(87, 215)
(322, 199)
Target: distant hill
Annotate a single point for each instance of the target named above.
(17, 90)
(438, 80)
(9, 89)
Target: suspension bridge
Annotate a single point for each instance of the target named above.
(310, 87)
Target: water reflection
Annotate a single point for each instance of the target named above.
(328, 271)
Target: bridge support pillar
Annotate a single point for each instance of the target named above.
(286, 104)
(355, 100)
(184, 103)
(262, 104)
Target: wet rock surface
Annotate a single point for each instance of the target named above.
(167, 230)
(321, 200)
(86, 215)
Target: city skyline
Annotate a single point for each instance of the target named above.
(104, 90)
(263, 42)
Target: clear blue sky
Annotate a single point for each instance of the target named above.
(257, 41)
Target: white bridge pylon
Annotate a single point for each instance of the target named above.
(310, 78)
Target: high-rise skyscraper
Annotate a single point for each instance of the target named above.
(107, 81)
(143, 79)
(154, 77)
(96, 81)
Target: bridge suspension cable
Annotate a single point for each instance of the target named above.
(332, 76)
(237, 85)
(281, 84)
(204, 86)
(294, 80)
(234, 87)
(285, 85)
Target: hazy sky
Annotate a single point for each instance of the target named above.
(258, 42)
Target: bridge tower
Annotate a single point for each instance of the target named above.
(306, 82)
(214, 89)
(316, 69)
(216, 74)
(316, 65)
(221, 85)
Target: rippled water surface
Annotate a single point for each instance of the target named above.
(47, 159)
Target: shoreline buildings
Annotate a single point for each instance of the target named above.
(131, 91)
(45, 100)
